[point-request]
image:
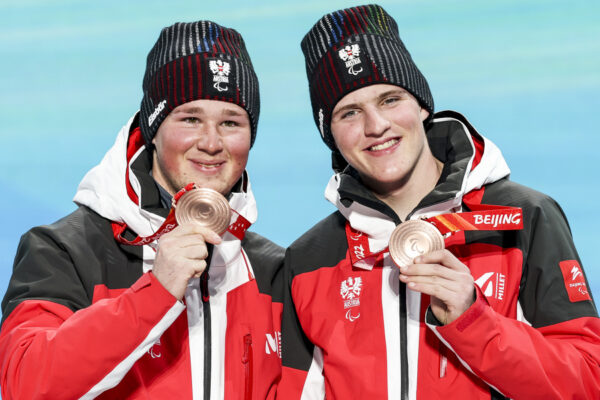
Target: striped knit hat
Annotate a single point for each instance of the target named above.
(197, 60)
(353, 48)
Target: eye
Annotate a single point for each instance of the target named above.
(390, 100)
(348, 114)
(191, 120)
(230, 124)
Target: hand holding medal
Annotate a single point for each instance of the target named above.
(199, 216)
(417, 248)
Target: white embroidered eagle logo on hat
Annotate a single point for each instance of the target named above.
(350, 55)
(220, 70)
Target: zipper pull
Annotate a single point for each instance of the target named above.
(443, 360)
(205, 277)
(443, 365)
(247, 348)
(248, 372)
(204, 286)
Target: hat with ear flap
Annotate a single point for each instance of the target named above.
(197, 60)
(353, 48)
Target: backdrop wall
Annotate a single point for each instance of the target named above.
(526, 73)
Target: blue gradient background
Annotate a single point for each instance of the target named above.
(526, 73)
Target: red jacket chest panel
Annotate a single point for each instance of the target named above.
(497, 271)
(340, 310)
(252, 343)
(147, 377)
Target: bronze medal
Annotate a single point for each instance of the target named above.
(205, 206)
(414, 238)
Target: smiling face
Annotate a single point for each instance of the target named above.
(379, 131)
(204, 141)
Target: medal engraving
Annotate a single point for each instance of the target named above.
(206, 207)
(413, 238)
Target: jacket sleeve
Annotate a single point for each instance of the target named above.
(55, 344)
(555, 352)
(302, 361)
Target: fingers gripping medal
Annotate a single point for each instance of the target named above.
(201, 205)
(413, 238)
(206, 207)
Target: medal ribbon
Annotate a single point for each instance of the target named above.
(484, 217)
(237, 228)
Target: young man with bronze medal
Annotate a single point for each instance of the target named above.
(437, 277)
(153, 287)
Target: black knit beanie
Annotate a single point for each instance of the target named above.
(353, 48)
(197, 60)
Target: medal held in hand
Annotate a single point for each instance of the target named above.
(417, 237)
(201, 205)
(206, 207)
(413, 238)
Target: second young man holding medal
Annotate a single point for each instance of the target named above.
(501, 309)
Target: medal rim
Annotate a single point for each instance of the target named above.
(216, 200)
(397, 252)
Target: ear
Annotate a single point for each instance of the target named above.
(424, 114)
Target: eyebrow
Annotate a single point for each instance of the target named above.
(398, 91)
(344, 108)
(189, 110)
(232, 113)
(199, 110)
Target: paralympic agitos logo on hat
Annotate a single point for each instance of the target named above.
(350, 54)
(352, 61)
(220, 70)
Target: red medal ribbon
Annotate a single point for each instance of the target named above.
(358, 245)
(237, 228)
(484, 217)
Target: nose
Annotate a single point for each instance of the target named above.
(209, 140)
(376, 123)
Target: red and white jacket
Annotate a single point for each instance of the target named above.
(353, 331)
(84, 316)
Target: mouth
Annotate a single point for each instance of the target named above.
(208, 165)
(385, 145)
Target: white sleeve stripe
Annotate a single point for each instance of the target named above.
(114, 377)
